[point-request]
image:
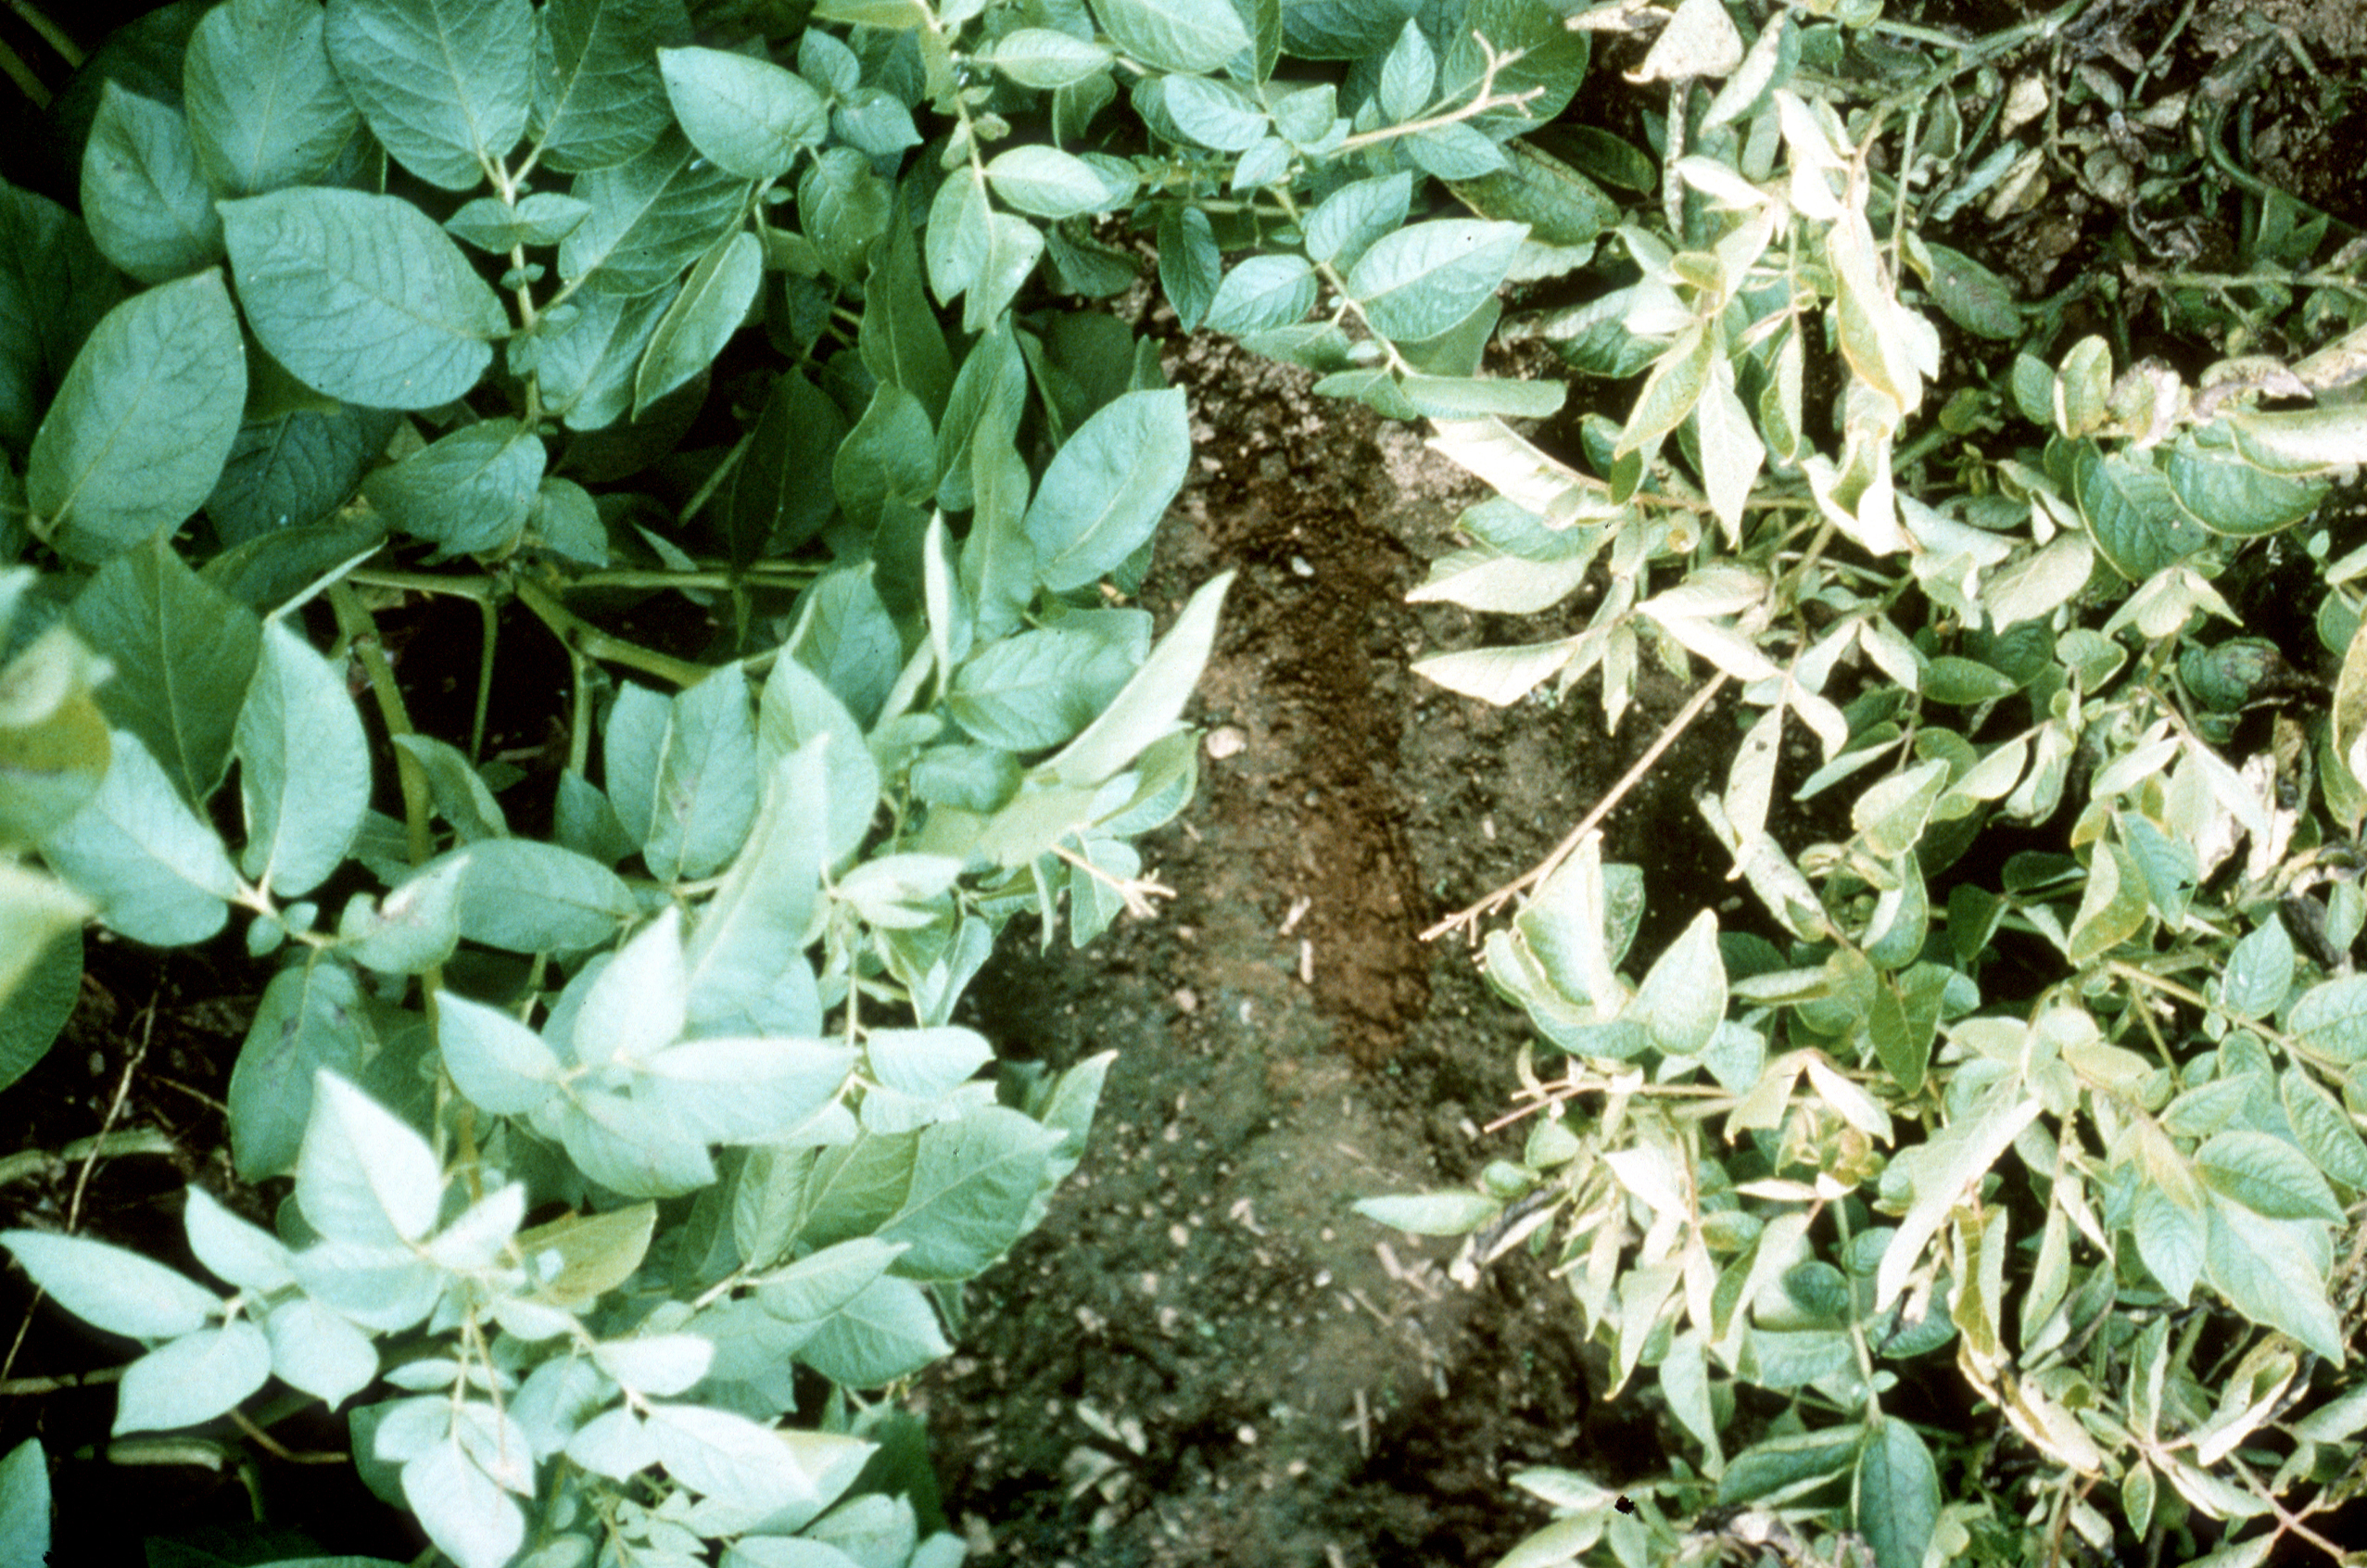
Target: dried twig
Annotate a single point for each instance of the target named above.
(1471, 917)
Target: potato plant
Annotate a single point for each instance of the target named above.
(2040, 1083)
(2038, 1071)
(634, 1147)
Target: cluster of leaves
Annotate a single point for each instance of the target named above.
(2049, 1063)
(559, 308)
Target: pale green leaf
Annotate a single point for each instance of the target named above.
(112, 1288)
(361, 296)
(265, 108)
(748, 117)
(137, 433)
(155, 870)
(148, 209)
(444, 84)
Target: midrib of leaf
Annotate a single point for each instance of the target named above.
(459, 92)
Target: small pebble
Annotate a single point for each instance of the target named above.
(1225, 741)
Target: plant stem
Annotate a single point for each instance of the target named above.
(580, 634)
(49, 33)
(361, 635)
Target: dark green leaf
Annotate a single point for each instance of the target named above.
(444, 84)
(651, 216)
(469, 491)
(889, 456)
(988, 399)
(712, 303)
(1974, 297)
(781, 494)
(311, 1016)
(265, 109)
(1895, 1495)
(2230, 496)
(138, 432)
(899, 340)
(1343, 29)
(2131, 513)
(599, 99)
(1188, 263)
(184, 653)
(147, 206)
(292, 470)
(1782, 1462)
(54, 288)
(361, 296)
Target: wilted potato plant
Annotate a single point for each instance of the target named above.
(2032, 1083)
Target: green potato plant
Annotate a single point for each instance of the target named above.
(634, 1154)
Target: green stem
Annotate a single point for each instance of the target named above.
(362, 636)
(582, 635)
(49, 32)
